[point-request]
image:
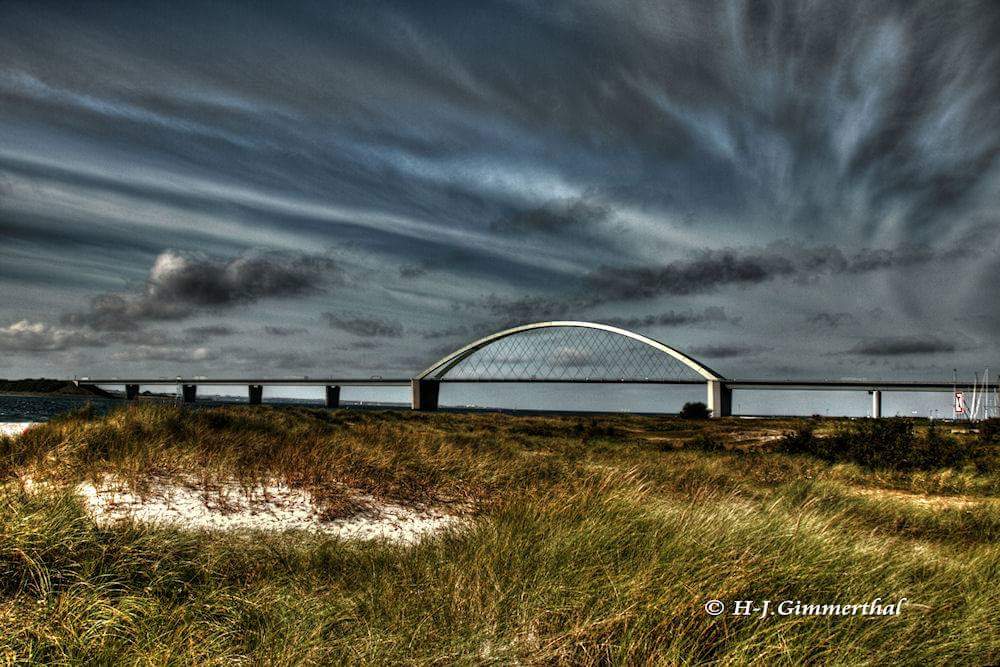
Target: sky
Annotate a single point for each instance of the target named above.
(780, 189)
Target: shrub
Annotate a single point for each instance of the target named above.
(695, 410)
(799, 441)
(985, 452)
(707, 443)
(879, 443)
(936, 450)
(989, 431)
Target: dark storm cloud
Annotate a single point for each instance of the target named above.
(572, 216)
(674, 318)
(411, 271)
(200, 334)
(493, 312)
(521, 310)
(180, 284)
(727, 351)
(708, 271)
(364, 326)
(711, 269)
(109, 312)
(831, 320)
(212, 282)
(284, 331)
(447, 332)
(903, 345)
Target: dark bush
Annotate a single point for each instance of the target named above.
(695, 410)
(799, 441)
(985, 452)
(879, 443)
(936, 450)
(595, 428)
(989, 431)
(707, 443)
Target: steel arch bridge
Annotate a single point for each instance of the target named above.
(572, 352)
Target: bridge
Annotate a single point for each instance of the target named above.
(571, 352)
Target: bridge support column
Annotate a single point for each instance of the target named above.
(425, 394)
(190, 392)
(720, 399)
(876, 403)
(131, 392)
(332, 396)
(256, 393)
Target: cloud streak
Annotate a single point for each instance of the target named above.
(893, 346)
(674, 318)
(711, 270)
(368, 327)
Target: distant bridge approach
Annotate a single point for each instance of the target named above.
(566, 352)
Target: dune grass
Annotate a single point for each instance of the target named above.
(592, 540)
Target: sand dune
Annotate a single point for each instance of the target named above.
(228, 505)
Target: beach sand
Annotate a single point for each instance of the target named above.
(14, 428)
(274, 506)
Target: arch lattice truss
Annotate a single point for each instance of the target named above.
(568, 351)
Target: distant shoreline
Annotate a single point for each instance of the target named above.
(49, 387)
(110, 397)
(53, 394)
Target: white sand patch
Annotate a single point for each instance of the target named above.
(14, 428)
(275, 506)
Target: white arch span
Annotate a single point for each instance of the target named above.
(445, 364)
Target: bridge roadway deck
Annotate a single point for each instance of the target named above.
(271, 382)
(736, 383)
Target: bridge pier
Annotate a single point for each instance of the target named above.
(256, 393)
(190, 392)
(425, 394)
(332, 396)
(876, 403)
(131, 392)
(720, 399)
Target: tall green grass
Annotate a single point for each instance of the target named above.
(592, 544)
